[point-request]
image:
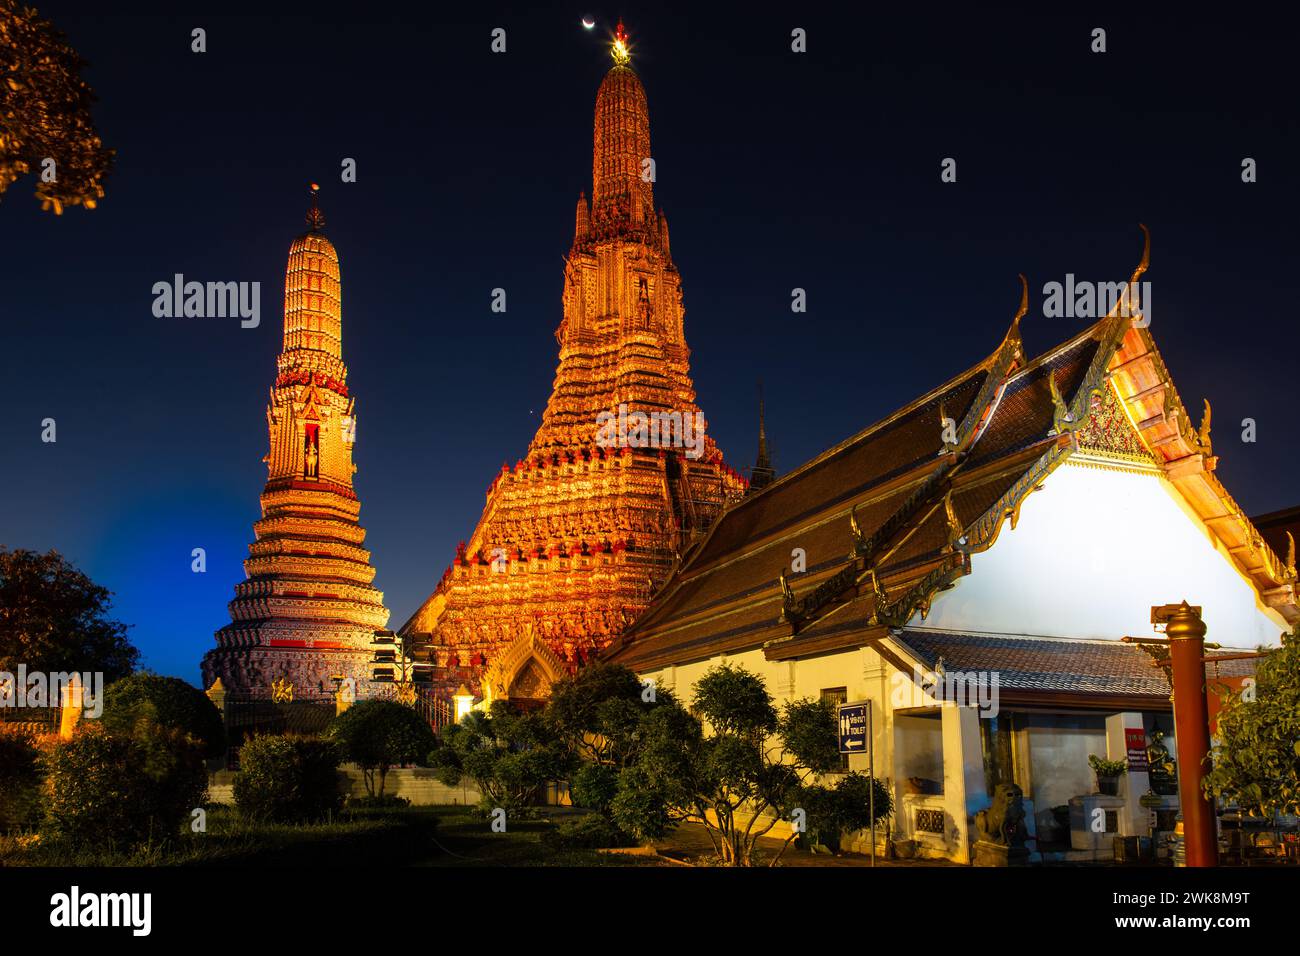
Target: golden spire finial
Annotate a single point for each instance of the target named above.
(315, 218)
(619, 49)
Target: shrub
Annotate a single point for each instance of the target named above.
(168, 701)
(123, 790)
(379, 734)
(285, 779)
(845, 807)
(389, 801)
(20, 782)
(1256, 764)
(594, 786)
(591, 831)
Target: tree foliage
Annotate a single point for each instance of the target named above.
(53, 618)
(377, 735)
(596, 714)
(20, 782)
(45, 113)
(169, 701)
(736, 765)
(509, 755)
(1256, 763)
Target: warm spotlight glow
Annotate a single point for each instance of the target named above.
(464, 702)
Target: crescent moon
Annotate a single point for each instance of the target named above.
(588, 24)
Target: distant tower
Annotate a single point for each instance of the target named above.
(578, 535)
(763, 473)
(307, 610)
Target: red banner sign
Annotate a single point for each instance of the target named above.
(1135, 741)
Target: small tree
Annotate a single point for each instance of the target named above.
(377, 735)
(751, 769)
(508, 755)
(55, 619)
(1257, 761)
(170, 702)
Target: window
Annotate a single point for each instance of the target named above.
(833, 697)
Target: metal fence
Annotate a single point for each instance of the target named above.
(35, 720)
(438, 711)
(249, 716)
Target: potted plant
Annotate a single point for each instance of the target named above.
(1108, 773)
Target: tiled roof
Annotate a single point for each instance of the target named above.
(1056, 665)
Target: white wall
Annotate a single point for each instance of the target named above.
(1092, 552)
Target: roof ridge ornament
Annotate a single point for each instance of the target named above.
(1146, 253)
(956, 531)
(1012, 339)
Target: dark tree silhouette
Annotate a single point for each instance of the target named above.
(53, 618)
(45, 114)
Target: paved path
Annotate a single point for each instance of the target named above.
(690, 842)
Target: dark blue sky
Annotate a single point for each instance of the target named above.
(776, 170)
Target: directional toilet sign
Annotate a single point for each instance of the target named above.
(853, 728)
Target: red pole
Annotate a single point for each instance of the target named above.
(1186, 633)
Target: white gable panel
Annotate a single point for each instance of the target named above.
(1091, 553)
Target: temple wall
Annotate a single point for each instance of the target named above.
(866, 676)
(418, 785)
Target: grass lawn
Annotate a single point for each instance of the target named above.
(465, 839)
(414, 836)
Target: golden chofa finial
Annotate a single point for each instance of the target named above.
(1012, 339)
(619, 48)
(1146, 254)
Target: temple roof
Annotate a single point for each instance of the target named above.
(1091, 670)
(891, 516)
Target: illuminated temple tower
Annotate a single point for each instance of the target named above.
(307, 610)
(580, 532)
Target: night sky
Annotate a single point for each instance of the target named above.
(776, 170)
